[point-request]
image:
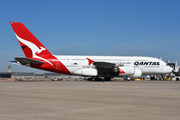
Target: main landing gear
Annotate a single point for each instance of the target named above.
(99, 79)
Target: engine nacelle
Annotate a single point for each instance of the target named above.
(86, 72)
(137, 73)
(126, 70)
(130, 71)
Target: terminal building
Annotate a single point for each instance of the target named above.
(31, 75)
(28, 75)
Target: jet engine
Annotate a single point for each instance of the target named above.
(130, 71)
(137, 73)
(86, 72)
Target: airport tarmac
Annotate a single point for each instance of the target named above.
(81, 100)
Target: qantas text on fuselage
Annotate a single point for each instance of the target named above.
(147, 63)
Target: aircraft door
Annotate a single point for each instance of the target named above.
(79, 66)
(58, 66)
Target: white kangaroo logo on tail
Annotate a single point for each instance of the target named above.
(34, 49)
(40, 50)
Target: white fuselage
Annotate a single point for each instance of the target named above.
(147, 65)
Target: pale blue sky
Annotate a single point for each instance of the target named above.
(93, 27)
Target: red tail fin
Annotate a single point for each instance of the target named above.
(31, 46)
(37, 55)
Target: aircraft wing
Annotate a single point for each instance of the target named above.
(25, 61)
(107, 65)
(104, 67)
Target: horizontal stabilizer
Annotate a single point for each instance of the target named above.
(25, 61)
(15, 62)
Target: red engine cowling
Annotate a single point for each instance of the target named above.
(130, 71)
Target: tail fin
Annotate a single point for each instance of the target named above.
(37, 56)
(31, 46)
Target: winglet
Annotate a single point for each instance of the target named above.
(90, 61)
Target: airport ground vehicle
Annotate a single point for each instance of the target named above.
(176, 78)
(37, 56)
(55, 79)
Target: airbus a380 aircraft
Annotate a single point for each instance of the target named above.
(37, 56)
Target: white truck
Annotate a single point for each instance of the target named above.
(175, 78)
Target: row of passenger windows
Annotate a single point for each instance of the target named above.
(98, 59)
(105, 59)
